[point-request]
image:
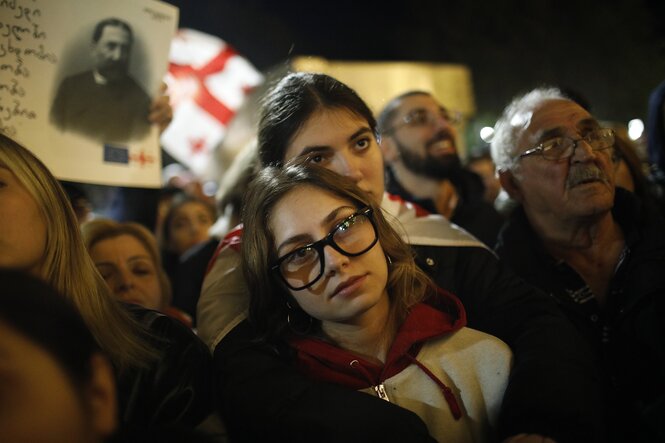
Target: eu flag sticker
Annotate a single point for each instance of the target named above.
(116, 154)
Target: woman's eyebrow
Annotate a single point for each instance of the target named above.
(298, 238)
(139, 257)
(333, 214)
(359, 132)
(308, 238)
(309, 150)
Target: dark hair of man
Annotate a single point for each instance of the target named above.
(290, 103)
(268, 308)
(99, 28)
(49, 320)
(388, 112)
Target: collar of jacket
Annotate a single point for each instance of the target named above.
(518, 241)
(438, 316)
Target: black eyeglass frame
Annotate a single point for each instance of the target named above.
(328, 241)
(542, 149)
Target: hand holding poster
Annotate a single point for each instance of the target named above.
(79, 96)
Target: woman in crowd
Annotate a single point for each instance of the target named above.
(319, 119)
(162, 369)
(328, 273)
(127, 257)
(186, 224)
(187, 246)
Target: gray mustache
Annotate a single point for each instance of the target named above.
(582, 174)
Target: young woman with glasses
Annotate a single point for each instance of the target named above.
(319, 120)
(330, 276)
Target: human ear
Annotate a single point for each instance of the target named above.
(101, 396)
(511, 185)
(388, 149)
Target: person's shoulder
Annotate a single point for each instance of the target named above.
(421, 228)
(166, 331)
(229, 244)
(135, 88)
(76, 80)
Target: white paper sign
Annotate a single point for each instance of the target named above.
(76, 80)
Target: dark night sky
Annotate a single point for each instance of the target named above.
(614, 55)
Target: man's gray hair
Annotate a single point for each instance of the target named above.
(513, 120)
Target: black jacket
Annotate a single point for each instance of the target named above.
(174, 390)
(552, 389)
(626, 337)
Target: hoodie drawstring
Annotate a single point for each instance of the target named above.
(447, 393)
(381, 391)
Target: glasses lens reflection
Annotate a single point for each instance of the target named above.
(303, 267)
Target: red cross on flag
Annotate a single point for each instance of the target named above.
(208, 81)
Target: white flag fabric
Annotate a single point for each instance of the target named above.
(208, 81)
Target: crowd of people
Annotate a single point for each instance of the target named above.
(373, 291)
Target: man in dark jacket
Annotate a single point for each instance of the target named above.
(596, 250)
(419, 145)
(104, 103)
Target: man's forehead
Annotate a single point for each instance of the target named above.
(418, 101)
(551, 118)
(558, 114)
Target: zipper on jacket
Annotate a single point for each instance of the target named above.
(380, 390)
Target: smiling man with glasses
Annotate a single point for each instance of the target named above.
(419, 145)
(593, 247)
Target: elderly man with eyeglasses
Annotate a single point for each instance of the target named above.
(419, 145)
(591, 246)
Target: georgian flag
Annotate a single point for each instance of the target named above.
(207, 82)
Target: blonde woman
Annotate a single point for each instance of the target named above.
(162, 368)
(127, 256)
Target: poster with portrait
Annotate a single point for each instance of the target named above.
(76, 82)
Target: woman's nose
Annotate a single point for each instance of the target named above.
(125, 282)
(351, 168)
(334, 260)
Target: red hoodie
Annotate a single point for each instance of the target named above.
(438, 316)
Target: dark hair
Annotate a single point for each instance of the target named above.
(39, 313)
(388, 112)
(288, 105)
(268, 310)
(99, 28)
